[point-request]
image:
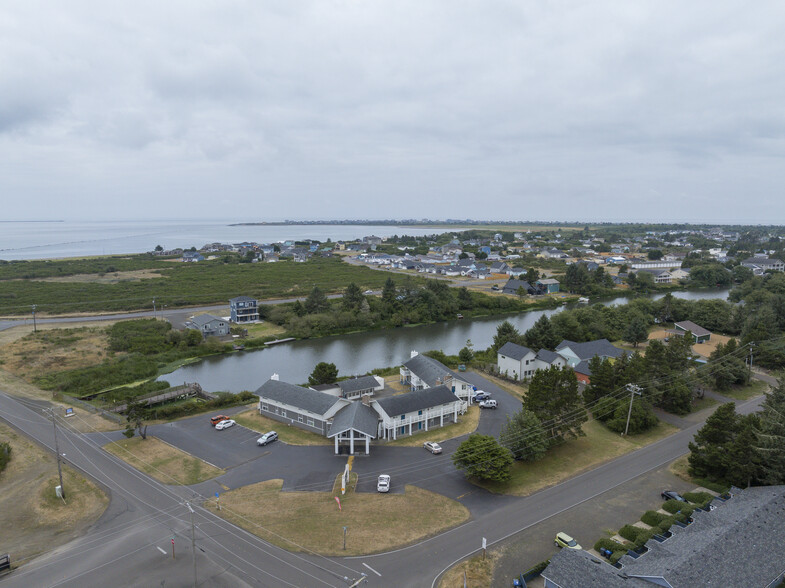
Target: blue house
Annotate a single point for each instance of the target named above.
(549, 285)
(244, 309)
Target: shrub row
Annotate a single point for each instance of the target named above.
(224, 399)
(674, 506)
(5, 455)
(699, 498)
(653, 518)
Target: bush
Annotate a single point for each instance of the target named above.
(653, 518)
(630, 532)
(644, 536)
(5, 455)
(666, 523)
(606, 543)
(672, 506)
(699, 498)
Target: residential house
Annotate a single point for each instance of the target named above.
(192, 256)
(680, 273)
(353, 388)
(499, 267)
(661, 276)
(759, 265)
(740, 542)
(419, 410)
(244, 309)
(659, 264)
(514, 287)
(302, 407)
(699, 334)
(578, 355)
(519, 362)
(548, 285)
(420, 372)
(209, 325)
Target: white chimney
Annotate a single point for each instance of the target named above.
(414, 354)
(275, 377)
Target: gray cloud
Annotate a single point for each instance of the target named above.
(549, 110)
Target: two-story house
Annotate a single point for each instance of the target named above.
(244, 309)
(420, 372)
(418, 410)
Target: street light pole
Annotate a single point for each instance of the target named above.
(633, 391)
(154, 316)
(57, 451)
(35, 328)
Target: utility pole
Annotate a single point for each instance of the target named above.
(35, 328)
(57, 451)
(154, 309)
(344, 538)
(634, 389)
(751, 347)
(193, 539)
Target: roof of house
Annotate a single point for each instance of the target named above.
(740, 543)
(417, 400)
(513, 350)
(356, 384)
(429, 370)
(513, 285)
(355, 416)
(599, 347)
(547, 281)
(200, 320)
(582, 367)
(548, 356)
(297, 396)
(242, 299)
(763, 260)
(696, 330)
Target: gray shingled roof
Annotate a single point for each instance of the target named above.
(201, 320)
(355, 384)
(297, 396)
(600, 347)
(696, 330)
(242, 299)
(548, 356)
(356, 416)
(583, 367)
(513, 350)
(429, 370)
(512, 285)
(740, 543)
(417, 400)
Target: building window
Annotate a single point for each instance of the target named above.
(310, 422)
(265, 407)
(299, 418)
(403, 417)
(419, 413)
(283, 413)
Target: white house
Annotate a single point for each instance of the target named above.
(519, 362)
(419, 410)
(421, 371)
(353, 388)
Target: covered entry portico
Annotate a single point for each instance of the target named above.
(354, 425)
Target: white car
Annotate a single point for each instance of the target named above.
(489, 403)
(368, 292)
(384, 483)
(432, 446)
(267, 438)
(224, 425)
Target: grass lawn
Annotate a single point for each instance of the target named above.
(754, 388)
(311, 520)
(286, 433)
(573, 457)
(699, 404)
(163, 462)
(466, 424)
(32, 518)
(478, 571)
(263, 329)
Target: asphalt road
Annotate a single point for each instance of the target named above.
(143, 514)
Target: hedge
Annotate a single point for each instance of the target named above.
(699, 498)
(674, 506)
(630, 532)
(653, 518)
(5, 455)
(644, 536)
(224, 399)
(606, 543)
(667, 522)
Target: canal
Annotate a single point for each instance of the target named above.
(361, 352)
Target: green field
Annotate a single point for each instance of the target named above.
(71, 286)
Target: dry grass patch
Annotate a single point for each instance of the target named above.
(264, 329)
(478, 572)
(106, 278)
(52, 349)
(33, 519)
(466, 424)
(163, 462)
(573, 457)
(300, 521)
(286, 433)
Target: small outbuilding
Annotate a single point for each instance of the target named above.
(700, 334)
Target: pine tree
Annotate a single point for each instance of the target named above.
(771, 435)
(505, 333)
(524, 436)
(316, 301)
(542, 335)
(553, 397)
(709, 453)
(482, 457)
(352, 297)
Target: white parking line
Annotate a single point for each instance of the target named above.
(161, 550)
(370, 568)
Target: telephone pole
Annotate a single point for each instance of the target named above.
(154, 316)
(751, 347)
(57, 451)
(193, 539)
(35, 328)
(634, 389)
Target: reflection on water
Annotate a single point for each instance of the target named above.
(358, 353)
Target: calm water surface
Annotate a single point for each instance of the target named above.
(361, 352)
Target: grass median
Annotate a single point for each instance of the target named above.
(163, 462)
(290, 434)
(311, 521)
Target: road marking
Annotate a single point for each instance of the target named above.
(462, 495)
(370, 568)
(161, 550)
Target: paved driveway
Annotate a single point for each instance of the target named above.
(492, 420)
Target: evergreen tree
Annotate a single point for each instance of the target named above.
(323, 373)
(602, 379)
(465, 301)
(316, 301)
(505, 333)
(554, 399)
(542, 335)
(642, 417)
(771, 435)
(481, 456)
(744, 460)
(524, 436)
(637, 331)
(709, 453)
(389, 293)
(352, 297)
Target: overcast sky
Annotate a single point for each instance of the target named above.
(541, 110)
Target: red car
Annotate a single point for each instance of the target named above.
(218, 418)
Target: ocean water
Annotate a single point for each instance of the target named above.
(49, 240)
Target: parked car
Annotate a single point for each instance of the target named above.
(218, 418)
(489, 403)
(225, 424)
(433, 447)
(268, 437)
(672, 495)
(368, 292)
(495, 287)
(383, 485)
(564, 540)
(481, 395)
